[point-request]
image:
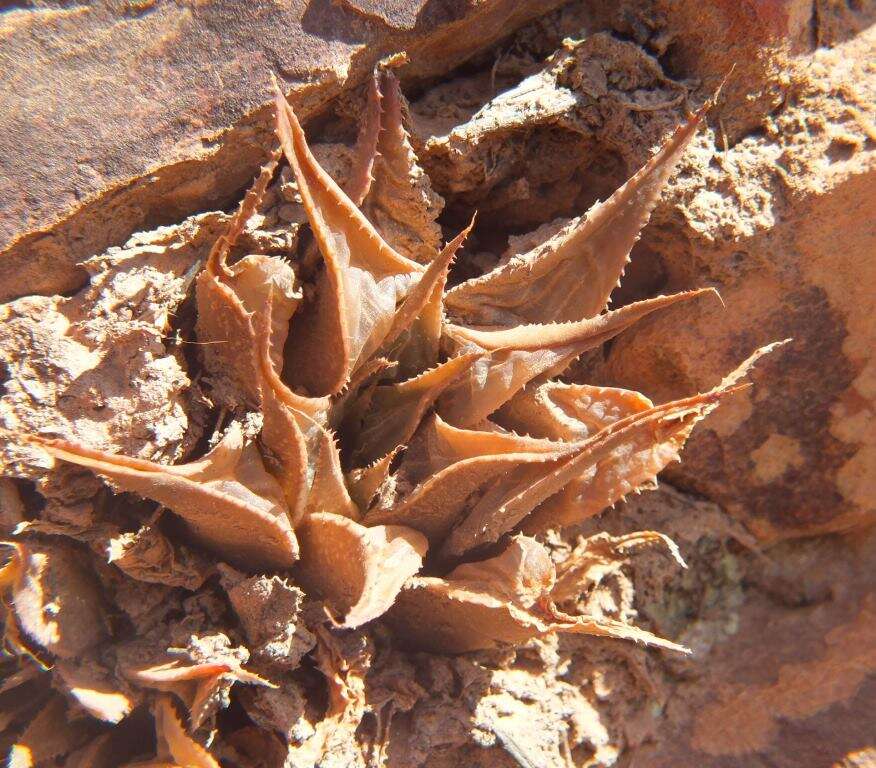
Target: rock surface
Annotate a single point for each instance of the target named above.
(119, 117)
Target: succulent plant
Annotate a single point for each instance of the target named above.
(392, 454)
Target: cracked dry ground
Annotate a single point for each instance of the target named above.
(320, 480)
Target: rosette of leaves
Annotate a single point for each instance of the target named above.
(411, 446)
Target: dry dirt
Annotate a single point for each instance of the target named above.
(127, 129)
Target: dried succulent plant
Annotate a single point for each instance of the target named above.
(411, 447)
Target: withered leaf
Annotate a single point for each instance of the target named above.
(358, 570)
(396, 410)
(571, 275)
(200, 685)
(520, 355)
(292, 432)
(328, 493)
(522, 574)
(54, 599)
(624, 457)
(505, 599)
(450, 468)
(559, 411)
(95, 690)
(594, 557)
(432, 614)
(52, 734)
(599, 471)
(363, 280)
(148, 555)
(364, 153)
(365, 482)
(230, 503)
(415, 335)
(229, 297)
(343, 662)
(401, 203)
(173, 743)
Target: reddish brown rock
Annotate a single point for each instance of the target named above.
(118, 117)
(779, 224)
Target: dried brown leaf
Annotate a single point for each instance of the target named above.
(344, 662)
(451, 468)
(365, 482)
(55, 600)
(401, 203)
(559, 411)
(148, 555)
(230, 503)
(290, 428)
(363, 280)
(623, 458)
(594, 557)
(446, 616)
(95, 690)
(358, 570)
(520, 355)
(52, 734)
(522, 574)
(202, 686)
(396, 410)
(571, 275)
(328, 493)
(173, 743)
(364, 153)
(228, 298)
(415, 336)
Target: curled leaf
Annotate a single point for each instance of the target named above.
(519, 355)
(230, 503)
(559, 411)
(199, 685)
(596, 556)
(55, 600)
(623, 458)
(148, 555)
(344, 663)
(571, 275)
(173, 743)
(358, 570)
(363, 280)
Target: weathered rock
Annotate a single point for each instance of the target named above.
(779, 224)
(123, 116)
